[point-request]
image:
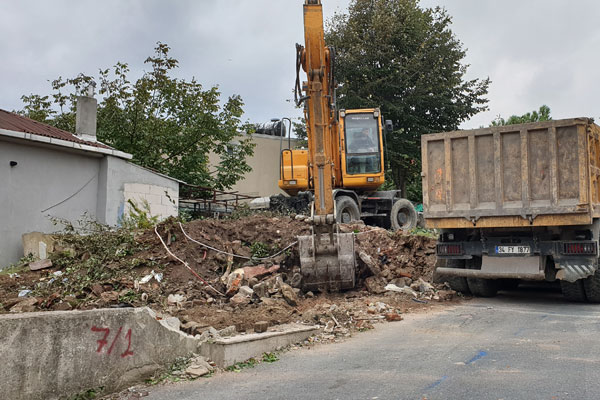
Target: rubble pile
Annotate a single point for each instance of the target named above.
(220, 274)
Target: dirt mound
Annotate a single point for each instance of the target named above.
(199, 280)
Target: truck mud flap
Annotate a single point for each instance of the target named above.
(572, 270)
(528, 268)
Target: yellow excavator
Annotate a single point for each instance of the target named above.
(343, 166)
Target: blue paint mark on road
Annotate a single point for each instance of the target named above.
(477, 356)
(437, 383)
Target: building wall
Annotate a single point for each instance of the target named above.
(262, 180)
(45, 183)
(124, 181)
(51, 182)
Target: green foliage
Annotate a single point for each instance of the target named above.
(88, 394)
(168, 124)
(173, 373)
(139, 216)
(299, 128)
(404, 59)
(430, 233)
(238, 367)
(270, 357)
(18, 267)
(100, 256)
(543, 114)
(260, 249)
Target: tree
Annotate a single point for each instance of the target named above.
(170, 125)
(404, 59)
(543, 114)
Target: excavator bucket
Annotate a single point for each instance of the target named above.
(327, 262)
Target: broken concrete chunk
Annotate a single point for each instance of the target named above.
(406, 290)
(289, 295)
(261, 326)
(370, 263)
(173, 322)
(381, 307)
(25, 305)
(375, 285)
(229, 331)
(423, 286)
(296, 280)
(41, 264)
(246, 291)
(239, 299)
(199, 366)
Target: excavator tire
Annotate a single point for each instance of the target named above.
(346, 210)
(403, 215)
(574, 291)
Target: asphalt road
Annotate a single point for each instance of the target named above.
(525, 344)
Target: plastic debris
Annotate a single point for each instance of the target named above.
(24, 293)
(156, 275)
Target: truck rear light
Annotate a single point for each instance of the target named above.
(449, 249)
(575, 248)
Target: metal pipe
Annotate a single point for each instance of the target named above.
(476, 273)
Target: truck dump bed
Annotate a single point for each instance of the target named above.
(537, 174)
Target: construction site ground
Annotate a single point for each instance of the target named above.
(218, 273)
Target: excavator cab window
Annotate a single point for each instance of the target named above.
(363, 155)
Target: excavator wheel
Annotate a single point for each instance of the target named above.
(346, 210)
(403, 215)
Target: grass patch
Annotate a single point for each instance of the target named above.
(238, 367)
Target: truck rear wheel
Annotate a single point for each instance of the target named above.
(591, 285)
(457, 283)
(346, 210)
(573, 291)
(480, 287)
(403, 215)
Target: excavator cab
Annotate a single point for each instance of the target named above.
(361, 146)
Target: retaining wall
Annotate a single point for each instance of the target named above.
(48, 355)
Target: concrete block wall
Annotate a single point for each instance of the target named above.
(162, 201)
(50, 355)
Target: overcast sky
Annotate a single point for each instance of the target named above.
(535, 52)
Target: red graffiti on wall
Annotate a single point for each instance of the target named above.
(103, 342)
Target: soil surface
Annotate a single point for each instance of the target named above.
(199, 280)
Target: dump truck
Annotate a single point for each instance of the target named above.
(516, 202)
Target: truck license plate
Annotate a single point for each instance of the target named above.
(513, 250)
